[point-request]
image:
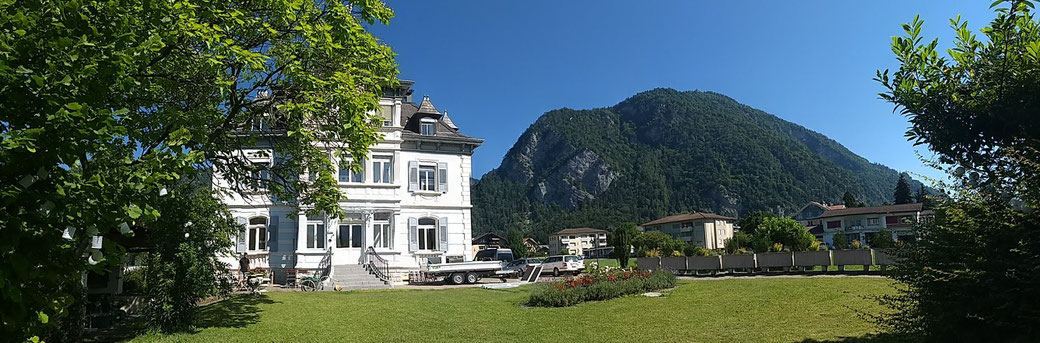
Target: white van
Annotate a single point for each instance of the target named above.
(563, 264)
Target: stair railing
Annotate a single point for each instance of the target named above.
(377, 265)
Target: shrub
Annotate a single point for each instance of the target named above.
(134, 281)
(777, 247)
(856, 244)
(604, 285)
(840, 241)
(882, 240)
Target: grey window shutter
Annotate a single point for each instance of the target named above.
(413, 176)
(442, 231)
(413, 233)
(390, 238)
(442, 177)
(272, 232)
(240, 245)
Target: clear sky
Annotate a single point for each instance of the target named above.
(496, 66)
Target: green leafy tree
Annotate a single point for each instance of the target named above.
(622, 238)
(103, 104)
(656, 240)
(902, 193)
(850, 200)
(183, 266)
(976, 108)
(882, 240)
(840, 241)
(515, 242)
(750, 224)
(787, 232)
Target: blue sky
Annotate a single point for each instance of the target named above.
(496, 66)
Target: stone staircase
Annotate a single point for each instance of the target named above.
(354, 276)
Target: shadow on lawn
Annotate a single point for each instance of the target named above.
(237, 312)
(871, 338)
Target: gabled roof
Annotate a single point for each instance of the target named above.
(687, 217)
(873, 210)
(411, 116)
(447, 121)
(426, 107)
(487, 235)
(578, 230)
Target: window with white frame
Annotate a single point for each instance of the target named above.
(427, 234)
(387, 113)
(382, 231)
(315, 233)
(382, 169)
(259, 178)
(428, 178)
(257, 234)
(426, 127)
(347, 174)
(873, 221)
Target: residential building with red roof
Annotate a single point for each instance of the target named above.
(863, 223)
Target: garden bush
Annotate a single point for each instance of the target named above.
(607, 284)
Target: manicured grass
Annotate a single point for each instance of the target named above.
(745, 310)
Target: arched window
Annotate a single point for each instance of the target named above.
(257, 234)
(427, 233)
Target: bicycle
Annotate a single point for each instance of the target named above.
(313, 283)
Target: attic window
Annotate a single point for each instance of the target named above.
(426, 127)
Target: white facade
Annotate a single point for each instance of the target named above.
(576, 241)
(411, 203)
(863, 223)
(706, 230)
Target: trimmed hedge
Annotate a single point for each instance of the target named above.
(601, 286)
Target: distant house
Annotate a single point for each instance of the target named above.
(863, 223)
(577, 240)
(534, 246)
(707, 230)
(487, 241)
(810, 214)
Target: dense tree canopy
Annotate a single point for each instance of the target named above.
(902, 192)
(104, 104)
(972, 274)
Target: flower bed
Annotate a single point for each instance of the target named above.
(602, 285)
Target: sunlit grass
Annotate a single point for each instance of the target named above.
(747, 310)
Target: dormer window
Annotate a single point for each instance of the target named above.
(426, 128)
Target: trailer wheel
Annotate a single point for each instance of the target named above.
(471, 277)
(456, 279)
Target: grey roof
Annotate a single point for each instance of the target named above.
(426, 107)
(447, 121)
(411, 114)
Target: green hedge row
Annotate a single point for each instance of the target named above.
(602, 286)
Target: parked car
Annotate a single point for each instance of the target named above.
(496, 254)
(518, 265)
(562, 264)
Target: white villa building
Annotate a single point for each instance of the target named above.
(411, 203)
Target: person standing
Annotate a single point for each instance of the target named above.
(243, 268)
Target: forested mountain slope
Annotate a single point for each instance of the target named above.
(662, 152)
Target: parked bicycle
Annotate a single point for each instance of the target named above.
(313, 283)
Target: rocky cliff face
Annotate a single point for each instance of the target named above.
(560, 173)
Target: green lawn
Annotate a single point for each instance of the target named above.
(740, 309)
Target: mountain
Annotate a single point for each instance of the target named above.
(662, 152)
